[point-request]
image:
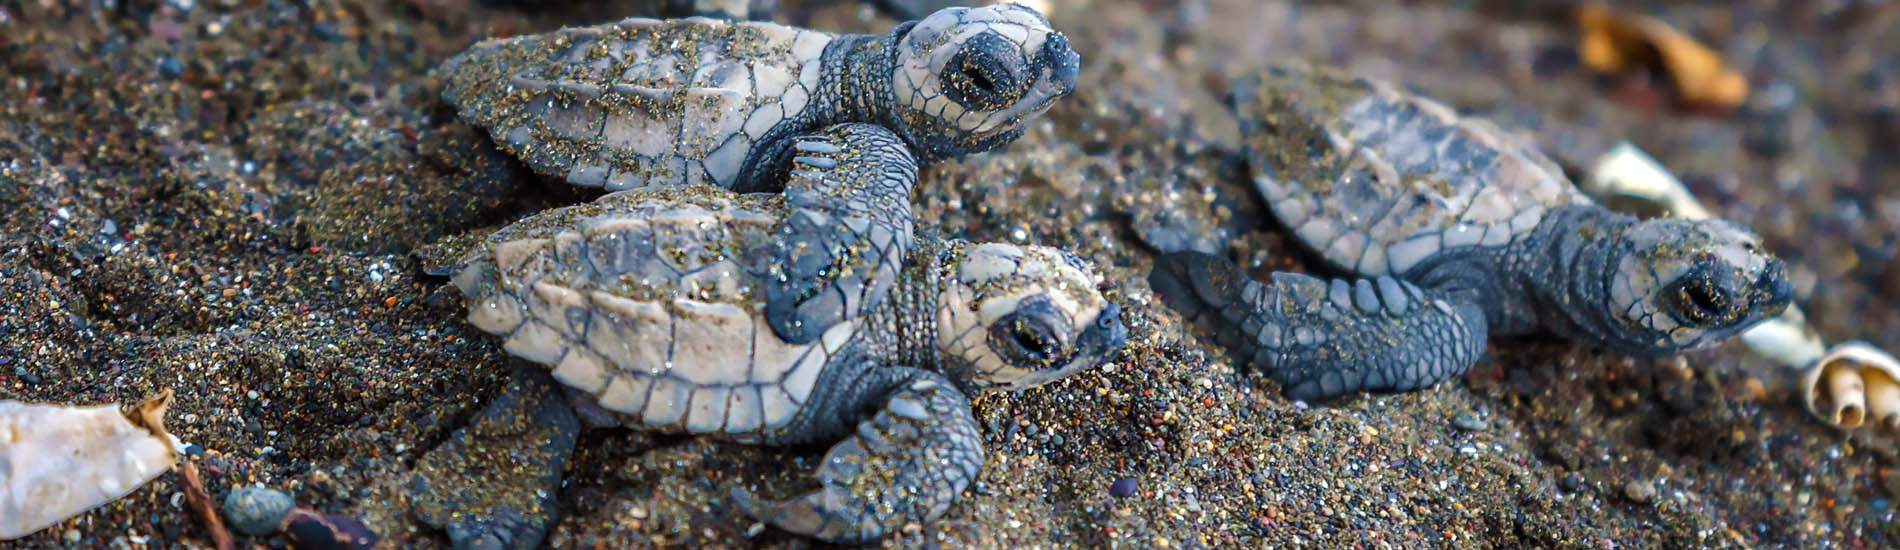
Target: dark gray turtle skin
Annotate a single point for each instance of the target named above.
(1446, 230)
(646, 306)
(702, 100)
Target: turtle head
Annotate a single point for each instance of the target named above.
(969, 80)
(1014, 317)
(1684, 284)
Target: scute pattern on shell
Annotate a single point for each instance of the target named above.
(640, 101)
(1376, 179)
(649, 300)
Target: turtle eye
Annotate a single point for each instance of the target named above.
(979, 82)
(1701, 301)
(980, 77)
(1024, 340)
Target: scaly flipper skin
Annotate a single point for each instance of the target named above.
(1321, 338)
(493, 483)
(849, 199)
(906, 464)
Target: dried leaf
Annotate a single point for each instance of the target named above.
(1616, 43)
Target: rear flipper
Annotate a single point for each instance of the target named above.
(1320, 339)
(848, 230)
(908, 463)
(493, 483)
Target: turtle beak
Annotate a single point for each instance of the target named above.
(1104, 337)
(1773, 290)
(1064, 63)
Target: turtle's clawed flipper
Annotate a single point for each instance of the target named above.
(1320, 338)
(906, 464)
(493, 483)
(847, 231)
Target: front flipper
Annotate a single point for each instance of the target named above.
(906, 464)
(848, 229)
(1320, 339)
(493, 483)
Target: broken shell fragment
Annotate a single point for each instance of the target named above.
(1852, 384)
(58, 461)
(1626, 171)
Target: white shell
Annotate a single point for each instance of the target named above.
(59, 461)
(1852, 383)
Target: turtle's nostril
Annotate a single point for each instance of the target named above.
(1774, 285)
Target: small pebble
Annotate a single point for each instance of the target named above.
(1468, 422)
(1639, 491)
(1122, 488)
(170, 67)
(1569, 483)
(257, 510)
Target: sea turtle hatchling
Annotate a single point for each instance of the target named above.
(701, 100)
(1448, 230)
(645, 306)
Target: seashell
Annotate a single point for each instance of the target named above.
(1853, 383)
(1787, 339)
(59, 461)
(1626, 171)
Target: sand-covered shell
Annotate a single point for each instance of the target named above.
(58, 461)
(650, 300)
(1377, 179)
(639, 101)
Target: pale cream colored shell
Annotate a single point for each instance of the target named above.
(1376, 179)
(640, 101)
(650, 301)
(1853, 383)
(59, 461)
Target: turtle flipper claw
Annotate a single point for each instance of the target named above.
(492, 484)
(847, 232)
(906, 464)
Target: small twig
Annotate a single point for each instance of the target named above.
(201, 503)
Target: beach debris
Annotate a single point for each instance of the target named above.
(1637, 47)
(1842, 386)
(261, 511)
(58, 461)
(201, 505)
(1854, 383)
(310, 530)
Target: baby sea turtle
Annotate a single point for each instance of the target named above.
(1447, 230)
(646, 306)
(700, 100)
